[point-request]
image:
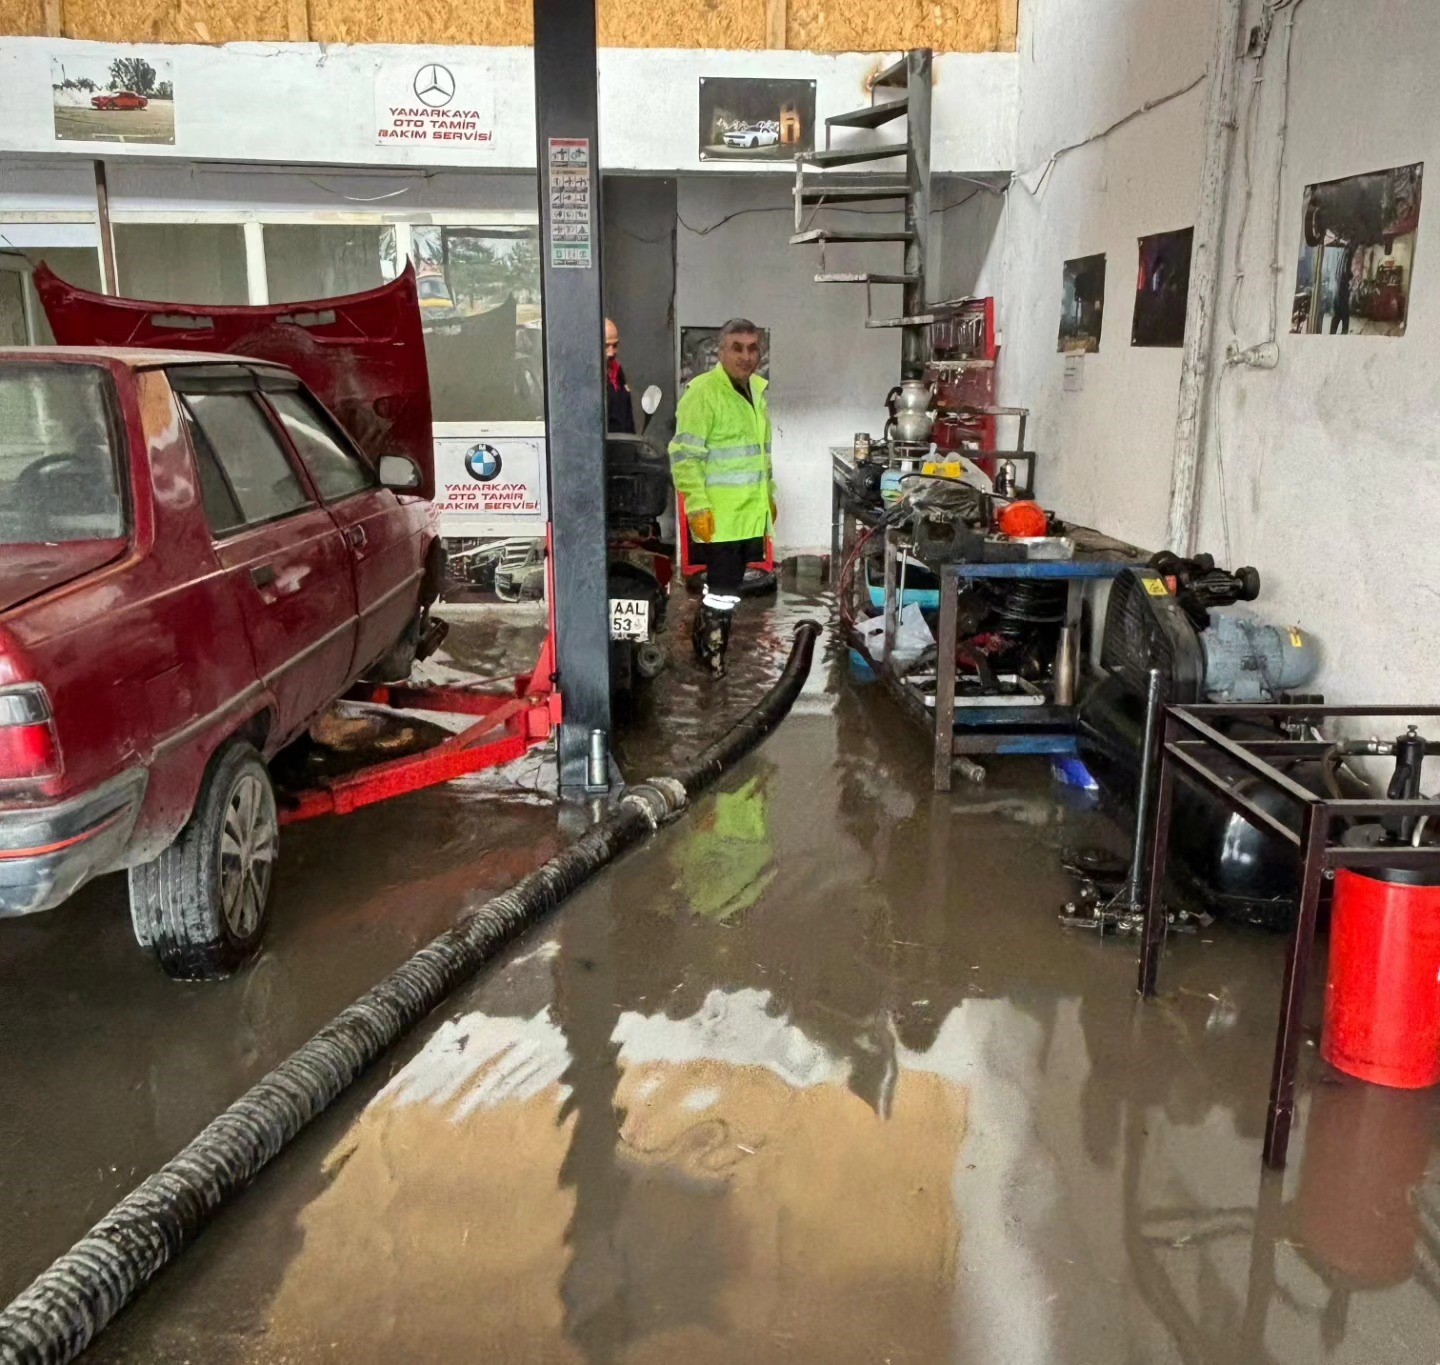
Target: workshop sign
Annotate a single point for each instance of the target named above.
(488, 483)
(435, 104)
(570, 208)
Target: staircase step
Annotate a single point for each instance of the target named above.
(851, 194)
(849, 156)
(893, 75)
(919, 320)
(864, 277)
(872, 117)
(823, 235)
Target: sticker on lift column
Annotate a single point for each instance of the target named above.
(569, 189)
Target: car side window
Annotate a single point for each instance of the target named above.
(337, 472)
(243, 469)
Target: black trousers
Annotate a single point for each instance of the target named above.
(725, 562)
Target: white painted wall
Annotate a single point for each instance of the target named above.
(1331, 461)
(1105, 452)
(303, 102)
(829, 375)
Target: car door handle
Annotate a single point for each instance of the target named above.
(355, 537)
(263, 575)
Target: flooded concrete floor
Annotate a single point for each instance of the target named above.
(813, 1076)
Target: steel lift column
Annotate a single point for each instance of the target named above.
(567, 160)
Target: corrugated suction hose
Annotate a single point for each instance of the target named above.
(67, 1305)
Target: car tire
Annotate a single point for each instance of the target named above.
(201, 907)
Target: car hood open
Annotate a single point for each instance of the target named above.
(362, 355)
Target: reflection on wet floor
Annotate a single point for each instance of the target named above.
(817, 1076)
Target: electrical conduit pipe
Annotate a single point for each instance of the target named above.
(70, 1303)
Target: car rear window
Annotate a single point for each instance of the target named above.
(58, 479)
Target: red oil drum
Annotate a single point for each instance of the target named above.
(1382, 997)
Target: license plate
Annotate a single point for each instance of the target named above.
(629, 618)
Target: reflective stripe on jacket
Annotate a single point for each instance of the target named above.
(720, 457)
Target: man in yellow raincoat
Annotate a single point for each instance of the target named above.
(720, 463)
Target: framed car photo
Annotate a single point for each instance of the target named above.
(755, 120)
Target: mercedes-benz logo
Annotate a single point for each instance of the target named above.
(434, 85)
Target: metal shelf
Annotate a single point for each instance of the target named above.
(872, 117)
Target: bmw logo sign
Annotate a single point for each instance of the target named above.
(482, 462)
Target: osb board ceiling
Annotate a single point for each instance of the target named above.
(482, 23)
(22, 18)
(863, 25)
(163, 21)
(817, 25)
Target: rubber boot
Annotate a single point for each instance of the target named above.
(710, 636)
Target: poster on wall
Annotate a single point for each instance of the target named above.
(700, 351)
(1162, 288)
(435, 104)
(755, 120)
(489, 483)
(1357, 253)
(1082, 304)
(128, 99)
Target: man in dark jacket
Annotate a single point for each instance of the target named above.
(619, 412)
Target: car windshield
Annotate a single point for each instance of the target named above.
(57, 457)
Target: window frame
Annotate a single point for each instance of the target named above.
(205, 380)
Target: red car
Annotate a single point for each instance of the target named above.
(196, 560)
(119, 99)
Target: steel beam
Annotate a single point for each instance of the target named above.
(567, 157)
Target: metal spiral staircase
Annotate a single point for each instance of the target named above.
(911, 75)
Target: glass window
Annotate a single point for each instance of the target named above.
(181, 262)
(222, 511)
(319, 261)
(246, 451)
(480, 304)
(58, 477)
(336, 471)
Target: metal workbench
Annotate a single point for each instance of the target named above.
(975, 729)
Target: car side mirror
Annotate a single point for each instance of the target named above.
(650, 400)
(399, 473)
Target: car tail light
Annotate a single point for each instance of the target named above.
(29, 746)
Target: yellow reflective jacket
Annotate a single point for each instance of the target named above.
(720, 457)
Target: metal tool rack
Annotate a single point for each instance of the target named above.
(1188, 747)
(1046, 728)
(1043, 729)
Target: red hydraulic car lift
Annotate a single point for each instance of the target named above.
(507, 727)
(509, 724)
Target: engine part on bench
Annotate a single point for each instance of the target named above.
(1145, 628)
(1248, 659)
(1200, 585)
(1026, 601)
(1227, 863)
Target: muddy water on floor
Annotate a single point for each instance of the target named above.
(816, 1076)
(110, 1067)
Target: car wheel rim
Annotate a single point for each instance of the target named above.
(248, 842)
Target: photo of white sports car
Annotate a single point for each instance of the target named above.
(752, 137)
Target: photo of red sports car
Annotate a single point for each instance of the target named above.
(119, 99)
